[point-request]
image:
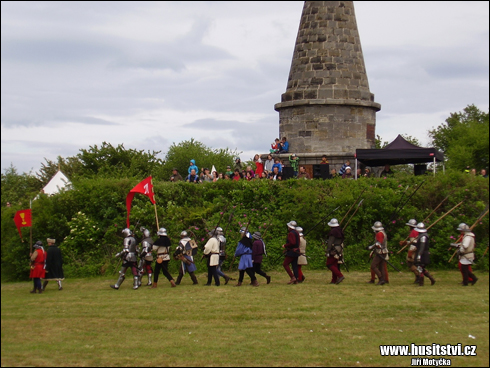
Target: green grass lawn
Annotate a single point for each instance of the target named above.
(310, 324)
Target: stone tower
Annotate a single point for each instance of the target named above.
(327, 107)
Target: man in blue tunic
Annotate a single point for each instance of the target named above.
(244, 251)
(184, 252)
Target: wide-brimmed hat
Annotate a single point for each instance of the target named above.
(333, 223)
(292, 224)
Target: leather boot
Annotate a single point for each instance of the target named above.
(293, 281)
(40, 289)
(33, 291)
(421, 280)
(239, 284)
(172, 282)
(226, 279)
(154, 286)
(45, 283)
(432, 280)
(193, 278)
(255, 283)
(268, 278)
(179, 279)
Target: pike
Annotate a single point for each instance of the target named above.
(358, 205)
(246, 228)
(393, 216)
(340, 223)
(392, 265)
(471, 229)
(435, 222)
(440, 204)
(323, 219)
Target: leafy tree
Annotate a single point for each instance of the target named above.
(464, 138)
(117, 162)
(19, 188)
(179, 156)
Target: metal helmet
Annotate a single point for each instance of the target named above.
(299, 229)
(183, 234)
(257, 235)
(213, 232)
(292, 224)
(38, 244)
(219, 230)
(463, 227)
(421, 228)
(412, 223)
(127, 232)
(162, 231)
(378, 226)
(333, 223)
(145, 231)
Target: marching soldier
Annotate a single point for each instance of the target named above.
(129, 256)
(244, 251)
(258, 251)
(302, 251)
(38, 259)
(292, 252)
(185, 251)
(146, 256)
(211, 250)
(466, 254)
(380, 252)
(423, 254)
(335, 248)
(54, 264)
(162, 247)
(412, 223)
(222, 254)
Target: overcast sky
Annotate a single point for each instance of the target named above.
(149, 74)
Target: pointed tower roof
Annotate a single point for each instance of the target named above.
(328, 64)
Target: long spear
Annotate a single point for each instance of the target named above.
(471, 229)
(323, 219)
(357, 209)
(440, 204)
(340, 223)
(435, 222)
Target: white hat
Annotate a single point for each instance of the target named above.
(292, 224)
(333, 223)
(162, 231)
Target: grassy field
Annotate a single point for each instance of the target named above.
(310, 324)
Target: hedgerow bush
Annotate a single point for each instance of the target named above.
(87, 221)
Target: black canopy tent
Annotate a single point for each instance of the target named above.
(398, 152)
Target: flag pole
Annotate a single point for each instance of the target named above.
(156, 216)
(30, 232)
(154, 204)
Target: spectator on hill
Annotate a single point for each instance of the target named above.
(348, 173)
(386, 172)
(229, 171)
(238, 164)
(333, 174)
(274, 174)
(268, 163)
(483, 173)
(259, 165)
(175, 175)
(236, 175)
(324, 160)
(192, 165)
(294, 161)
(193, 177)
(277, 163)
(284, 148)
(303, 174)
(275, 146)
(344, 166)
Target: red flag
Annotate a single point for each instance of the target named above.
(144, 187)
(23, 218)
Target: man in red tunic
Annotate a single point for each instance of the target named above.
(292, 252)
(38, 258)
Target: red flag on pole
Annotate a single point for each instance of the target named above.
(144, 187)
(23, 218)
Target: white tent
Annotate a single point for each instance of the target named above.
(57, 182)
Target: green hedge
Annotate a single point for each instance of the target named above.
(88, 220)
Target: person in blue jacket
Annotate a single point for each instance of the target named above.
(192, 165)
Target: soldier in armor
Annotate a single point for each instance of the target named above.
(146, 257)
(244, 251)
(185, 252)
(412, 223)
(258, 250)
(423, 254)
(162, 248)
(302, 251)
(380, 252)
(211, 250)
(466, 254)
(129, 256)
(335, 249)
(292, 252)
(222, 254)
